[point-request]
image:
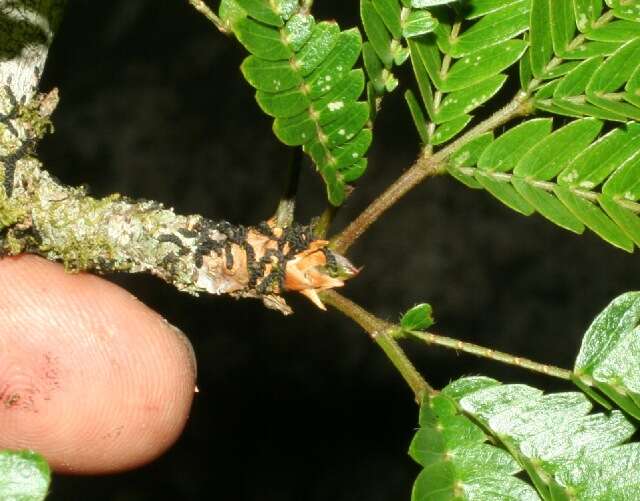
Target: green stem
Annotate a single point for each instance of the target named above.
(425, 166)
(204, 9)
(321, 226)
(481, 351)
(381, 332)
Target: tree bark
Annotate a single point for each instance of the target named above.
(40, 215)
(27, 28)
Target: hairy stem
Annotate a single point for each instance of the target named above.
(381, 332)
(483, 352)
(385, 335)
(424, 167)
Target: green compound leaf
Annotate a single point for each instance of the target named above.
(569, 176)
(609, 357)
(388, 25)
(612, 76)
(303, 75)
(559, 443)
(601, 80)
(418, 318)
(24, 476)
(462, 61)
(457, 461)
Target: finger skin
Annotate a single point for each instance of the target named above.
(89, 376)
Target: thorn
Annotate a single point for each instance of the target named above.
(313, 296)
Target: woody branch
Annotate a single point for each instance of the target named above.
(40, 215)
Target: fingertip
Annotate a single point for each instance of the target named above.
(89, 376)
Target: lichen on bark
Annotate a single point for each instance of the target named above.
(40, 215)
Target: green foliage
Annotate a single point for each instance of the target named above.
(24, 476)
(387, 24)
(609, 358)
(567, 452)
(532, 168)
(591, 55)
(582, 60)
(576, 163)
(459, 66)
(304, 77)
(418, 318)
(457, 461)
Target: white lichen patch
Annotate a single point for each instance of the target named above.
(9, 143)
(335, 105)
(582, 22)
(571, 176)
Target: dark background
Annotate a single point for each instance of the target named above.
(305, 407)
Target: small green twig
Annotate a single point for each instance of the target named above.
(322, 224)
(425, 166)
(286, 207)
(204, 9)
(380, 331)
(556, 61)
(481, 351)
(385, 335)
